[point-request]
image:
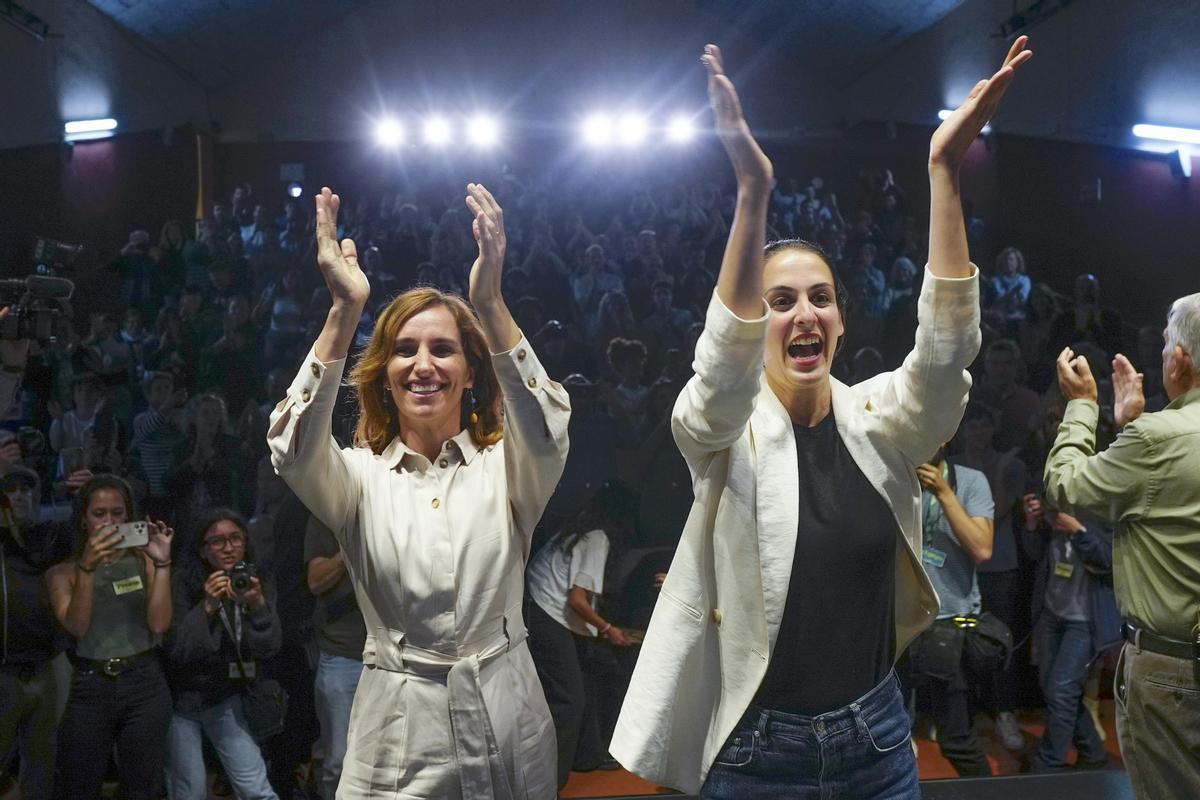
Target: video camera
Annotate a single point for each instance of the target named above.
(39, 298)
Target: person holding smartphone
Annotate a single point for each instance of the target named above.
(114, 599)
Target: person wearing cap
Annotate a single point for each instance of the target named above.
(1146, 483)
(30, 695)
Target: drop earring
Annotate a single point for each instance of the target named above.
(469, 398)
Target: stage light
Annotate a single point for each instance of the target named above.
(597, 130)
(946, 112)
(294, 189)
(483, 131)
(437, 131)
(389, 132)
(84, 129)
(632, 130)
(1167, 133)
(680, 129)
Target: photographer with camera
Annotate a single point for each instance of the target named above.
(226, 625)
(114, 598)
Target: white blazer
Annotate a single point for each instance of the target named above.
(717, 620)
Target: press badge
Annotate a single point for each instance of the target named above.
(933, 557)
(128, 585)
(1064, 569)
(235, 674)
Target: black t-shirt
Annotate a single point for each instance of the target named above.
(341, 630)
(837, 636)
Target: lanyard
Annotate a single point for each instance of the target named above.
(235, 630)
(928, 523)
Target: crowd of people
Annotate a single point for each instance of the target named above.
(163, 410)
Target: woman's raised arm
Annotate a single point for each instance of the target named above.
(740, 283)
(948, 256)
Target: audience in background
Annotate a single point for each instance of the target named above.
(171, 391)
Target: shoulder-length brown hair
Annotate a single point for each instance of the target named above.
(378, 422)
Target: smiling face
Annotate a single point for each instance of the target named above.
(428, 371)
(805, 323)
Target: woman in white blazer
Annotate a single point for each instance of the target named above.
(767, 667)
(461, 439)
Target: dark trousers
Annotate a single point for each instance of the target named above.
(1006, 594)
(286, 752)
(556, 655)
(1064, 655)
(131, 711)
(937, 662)
(29, 726)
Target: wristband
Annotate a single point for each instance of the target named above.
(605, 629)
(160, 564)
(79, 566)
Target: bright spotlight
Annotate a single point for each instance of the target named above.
(598, 130)
(294, 189)
(945, 113)
(437, 131)
(632, 130)
(389, 132)
(680, 129)
(483, 131)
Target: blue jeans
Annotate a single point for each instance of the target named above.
(857, 752)
(225, 726)
(1064, 655)
(337, 680)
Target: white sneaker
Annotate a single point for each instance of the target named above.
(1009, 731)
(1092, 704)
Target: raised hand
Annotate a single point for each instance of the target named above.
(338, 261)
(751, 166)
(1034, 512)
(158, 547)
(488, 227)
(950, 141)
(1129, 398)
(1075, 377)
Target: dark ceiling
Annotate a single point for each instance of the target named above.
(220, 42)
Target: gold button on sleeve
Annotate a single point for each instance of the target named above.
(532, 383)
(305, 395)
(521, 354)
(716, 615)
(436, 502)
(443, 463)
(316, 370)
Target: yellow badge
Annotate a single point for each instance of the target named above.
(1064, 569)
(128, 585)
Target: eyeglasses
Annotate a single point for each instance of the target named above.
(221, 542)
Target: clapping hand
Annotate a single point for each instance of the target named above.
(950, 141)
(1034, 512)
(751, 166)
(1129, 398)
(488, 227)
(1075, 377)
(346, 281)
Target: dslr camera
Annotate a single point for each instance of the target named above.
(37, 299)
(239, 576)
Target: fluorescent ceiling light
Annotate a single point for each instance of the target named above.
(90, 126)
(1167, 133)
